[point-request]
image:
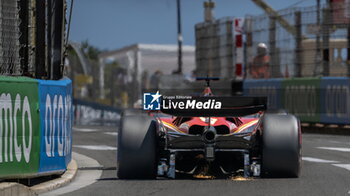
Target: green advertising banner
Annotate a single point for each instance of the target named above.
(19, 126)
(300, 96)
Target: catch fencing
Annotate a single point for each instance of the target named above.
(32, 38)
(215, 48)
(9, 38)
(302, 42)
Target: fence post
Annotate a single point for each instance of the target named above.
(348, 55)
(325, 40)
(248, 48)
(136, 93)
(40, 50)
(274, 66)
(298, 44)
(58, 37)
(229, 49)
(23, 40)
(49, 38)
(317, 60)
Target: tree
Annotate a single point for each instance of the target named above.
(90, 51)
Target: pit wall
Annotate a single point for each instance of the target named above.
(35, 126)
(314, 100)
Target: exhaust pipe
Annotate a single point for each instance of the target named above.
(209, 135)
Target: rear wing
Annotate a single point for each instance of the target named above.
(212, 106)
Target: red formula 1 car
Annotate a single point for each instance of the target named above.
(237, 138)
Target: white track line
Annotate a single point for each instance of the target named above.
(345, 166)
(96, 147)
(335, 149)
(316, 160)
(82, 179)
(337, 142)
(84, 129)
(111, 133)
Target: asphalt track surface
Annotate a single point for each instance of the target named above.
(325, 171)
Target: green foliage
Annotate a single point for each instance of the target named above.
(90, 51)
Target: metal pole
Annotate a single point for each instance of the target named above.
(111, 87)
(58, 37)
(40, 34)
(49, 40)
(298, 48)
(325, 41)
(249, 46)
(348, 56)
(179, 37)
(69, 22)
(274, 70)
(23, 14)
(318, 43)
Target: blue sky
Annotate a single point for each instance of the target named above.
(112, 24)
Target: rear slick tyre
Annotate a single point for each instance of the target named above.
(137, 155)
(281, 150)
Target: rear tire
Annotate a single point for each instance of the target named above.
(281, 146)
(137, 145)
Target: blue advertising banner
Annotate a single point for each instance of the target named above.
(335, 100)
(56, 117)
(270, 88)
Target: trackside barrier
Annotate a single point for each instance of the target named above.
(335, 100)
(56, 116)
(35, 126)
(90, 113)
(315, 100)
(265, 88)
(19, 127)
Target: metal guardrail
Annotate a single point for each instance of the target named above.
(91, 113)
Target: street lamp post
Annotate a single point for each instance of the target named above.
(179, 37)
